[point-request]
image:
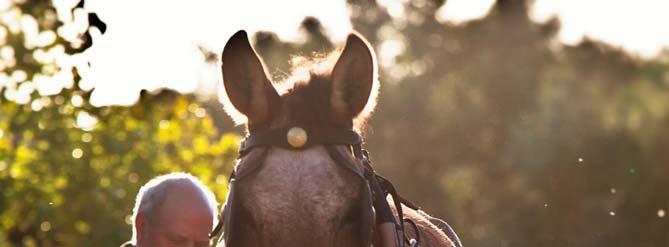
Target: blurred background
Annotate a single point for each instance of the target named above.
(522, 123)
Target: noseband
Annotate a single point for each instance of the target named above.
(375, 188)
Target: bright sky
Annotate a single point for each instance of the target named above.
(637, 26)
(148, 47)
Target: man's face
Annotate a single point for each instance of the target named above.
(183, 220)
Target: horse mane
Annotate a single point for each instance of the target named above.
(308, 90)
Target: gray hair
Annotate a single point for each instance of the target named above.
(153, 193)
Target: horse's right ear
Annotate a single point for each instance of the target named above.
(354, 85)
(246, 84)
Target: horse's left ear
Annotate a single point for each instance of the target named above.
(246, 84)
(354, 82)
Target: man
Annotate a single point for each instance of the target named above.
(173, 210)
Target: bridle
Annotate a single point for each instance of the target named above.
(375, 188)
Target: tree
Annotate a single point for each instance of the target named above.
(69, 171)
(493, 116)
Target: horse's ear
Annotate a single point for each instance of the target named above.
(354, 85)
(246, 84)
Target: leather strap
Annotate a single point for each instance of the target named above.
(375, 194)
(277, 137)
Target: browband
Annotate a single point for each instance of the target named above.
(279, 137)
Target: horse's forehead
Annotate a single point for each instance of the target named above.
(306, 178)
(309, 167)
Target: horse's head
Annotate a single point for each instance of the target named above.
(300, 197)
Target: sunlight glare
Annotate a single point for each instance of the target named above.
(85, 121)
(12, 19)
(77, 153)
(77, 100)
(30, 30)
(138, 53)
(635, 27)
(394, 8)
(389, 50)
(45, 226)
(3, 35)
(36, 105)
(129, 57)
(460, 11)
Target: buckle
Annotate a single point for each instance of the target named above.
(297, 137)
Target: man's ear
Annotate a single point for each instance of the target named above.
(140, 221)
(353, 79)
(246, 84)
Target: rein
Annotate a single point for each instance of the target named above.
(296, 138)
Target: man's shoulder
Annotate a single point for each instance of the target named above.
(128, 244)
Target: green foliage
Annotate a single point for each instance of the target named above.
(66, 183)
(517, 140)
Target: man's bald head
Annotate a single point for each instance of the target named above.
(173, 208)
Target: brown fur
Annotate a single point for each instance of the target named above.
(305, 105)
(430, 234)
(302, 197)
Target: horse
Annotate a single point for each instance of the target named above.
(298, 179)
